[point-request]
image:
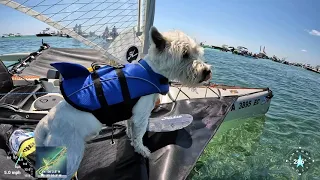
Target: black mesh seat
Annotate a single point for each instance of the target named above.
(11, 96)
(17, 97)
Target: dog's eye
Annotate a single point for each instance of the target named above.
(185, 54)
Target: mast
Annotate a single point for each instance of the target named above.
(260, 50)
(150, 11)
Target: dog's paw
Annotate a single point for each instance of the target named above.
(141, 149)
(129, 129)
(144, 151)
(129, 133)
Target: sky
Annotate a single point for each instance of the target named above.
(287, 28)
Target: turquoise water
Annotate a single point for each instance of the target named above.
(33, 43)
(258, 148)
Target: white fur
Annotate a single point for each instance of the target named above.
(67, 126)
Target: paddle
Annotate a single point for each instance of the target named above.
(169, 123)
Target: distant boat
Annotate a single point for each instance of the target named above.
(44, 33)
(310, 68)
(109, 39)
(11, 35)
(54, 33)
(84, 34)
(64, 35)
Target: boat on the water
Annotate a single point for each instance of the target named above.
(11, 35)
(313, 69)
(45, 33)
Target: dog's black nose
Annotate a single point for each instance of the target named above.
(206, 72)
(205, 75)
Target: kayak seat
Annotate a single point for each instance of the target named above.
(6, 83)
(19, 96)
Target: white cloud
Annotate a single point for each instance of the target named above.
(303, 50)
(314, 32)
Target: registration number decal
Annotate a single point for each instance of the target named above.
(246, 104)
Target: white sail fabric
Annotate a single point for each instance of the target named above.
(108, 26)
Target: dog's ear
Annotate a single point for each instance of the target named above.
(157, 38)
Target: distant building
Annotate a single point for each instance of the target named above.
(106, 34)
(75, 28)
(114, 32)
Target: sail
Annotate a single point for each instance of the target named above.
(114, 28)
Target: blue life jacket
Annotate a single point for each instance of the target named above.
(110, 92)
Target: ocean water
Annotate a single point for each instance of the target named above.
(33, 43)
(259, 147)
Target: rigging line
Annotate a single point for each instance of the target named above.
(91, 25)
(119, 20)
(88, 12)
(120, 26)
(82, 14)
(49, 8)
(87, 18)
(107, 14)
(62, 9)
(93, 10)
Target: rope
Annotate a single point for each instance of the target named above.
(88, 21)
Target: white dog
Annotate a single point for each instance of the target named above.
(173, 55)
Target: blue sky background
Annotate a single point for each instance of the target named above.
(287, 28)
(282, 26)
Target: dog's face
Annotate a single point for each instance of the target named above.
(178, 57)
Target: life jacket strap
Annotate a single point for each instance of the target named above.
(99, 91)
(123, 85)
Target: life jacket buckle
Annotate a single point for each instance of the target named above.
(119, 66)
(96, 67)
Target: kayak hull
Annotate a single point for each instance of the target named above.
(251, 102)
